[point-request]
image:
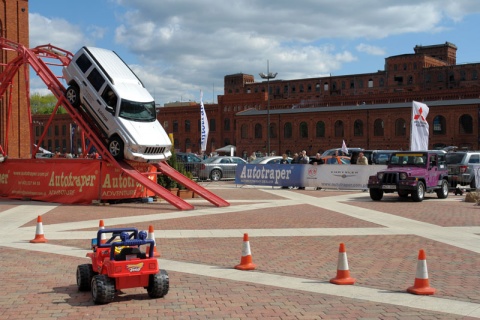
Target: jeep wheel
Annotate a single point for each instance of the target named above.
(442, 193)
(158, 284)
(73, 96)
(376, 194)
(103, 289)
(84, 277)
(403, 194)
(419, 194)
(115, 147)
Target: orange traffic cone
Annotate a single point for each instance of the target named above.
(421, 285)
(343, 274)
(39, 237)
(246, 261)
(103, 237)
(151, 235)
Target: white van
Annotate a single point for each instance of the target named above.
(121, 109)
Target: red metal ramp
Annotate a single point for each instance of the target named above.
(153, 186)
(167, 170)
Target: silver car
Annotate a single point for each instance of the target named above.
(217, 168)
(461, 168)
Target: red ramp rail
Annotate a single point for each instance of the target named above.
(34, 58)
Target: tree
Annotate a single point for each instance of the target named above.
(44, 104)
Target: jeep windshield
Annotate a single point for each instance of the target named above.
(137, 111)
(408, 159)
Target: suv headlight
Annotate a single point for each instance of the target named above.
(403, 176)
(380, 175)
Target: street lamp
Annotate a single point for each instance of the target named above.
(268, 76)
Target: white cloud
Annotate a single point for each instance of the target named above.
(373, 50)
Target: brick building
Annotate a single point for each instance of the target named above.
(371, 110)
(14, 26)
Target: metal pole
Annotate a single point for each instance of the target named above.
(268, 108)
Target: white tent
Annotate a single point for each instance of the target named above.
(227, 149)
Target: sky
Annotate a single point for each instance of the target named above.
(180, 48)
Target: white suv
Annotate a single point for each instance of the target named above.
(122, 110)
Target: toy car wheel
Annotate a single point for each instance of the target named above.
(442, 193)
(103, 289)
(376, 194)
(215, 175)
(84, 277)
(419, 194)
(158, 284)
(73, 96)
(115, 146)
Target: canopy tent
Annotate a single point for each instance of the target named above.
(227, 149)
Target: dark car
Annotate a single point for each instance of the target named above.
(190, 161)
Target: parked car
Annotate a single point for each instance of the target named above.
(461, 168)
(411, 173)
(373, 156)
(216, 168)
(190, 161)
(269, 160)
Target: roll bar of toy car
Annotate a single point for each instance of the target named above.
(132, 243)
(115, 233)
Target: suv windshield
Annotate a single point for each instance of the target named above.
(454, 157)
(137, 111)
(408, 159)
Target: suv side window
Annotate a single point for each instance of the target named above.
(83, 63)
(110, 98)
(96, 79)
(474, 158)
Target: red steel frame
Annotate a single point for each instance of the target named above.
(35, 58)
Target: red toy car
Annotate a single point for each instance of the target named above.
(120, 264)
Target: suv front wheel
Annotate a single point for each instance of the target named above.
(419, 194)
(376, 194)
(115, 147)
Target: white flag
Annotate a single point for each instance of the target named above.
(419, 127)
(344, 147)
(204, 124)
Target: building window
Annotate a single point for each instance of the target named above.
(343, 84)
(317, 87)
(474, 75)
(303, 130)
(285, 89)
(358, 128)
(244, 131)
(187, 125)
(287, 130)
(309, 88)
(258, 131)
(352, 84)
(213, 125)
(301, 88)
(188, 144)
(400, 127)
(439, 125)
(320, 129)
(176, 143)
(293, 89)
(378, 126)
(381, 82)
(175, 126)
(226, 124)
(212, 143)
(466, 124)
(325, 86)
(338, 127)
(370, 83)
(57, 131)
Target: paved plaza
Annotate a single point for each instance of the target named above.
(294, 237)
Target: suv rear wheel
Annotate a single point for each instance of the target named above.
(73, 96)
(419, 194)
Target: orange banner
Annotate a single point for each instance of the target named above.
(69, 180)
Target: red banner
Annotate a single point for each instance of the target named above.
(69, 180)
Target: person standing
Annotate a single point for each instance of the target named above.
(303, 159)
(284, 160)
(362, 159)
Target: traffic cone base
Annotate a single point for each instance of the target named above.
(421, 285)
(343, 273)
(246, 260)
(39, 236)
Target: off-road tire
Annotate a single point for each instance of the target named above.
(376, 194)
(84, 277)
(103, 289)
(158, 284)
(442, 193)
(419, 193)
(73, 96)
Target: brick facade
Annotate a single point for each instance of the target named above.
(14, 26)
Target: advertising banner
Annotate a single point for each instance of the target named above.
(331, 176)
(69, 180)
